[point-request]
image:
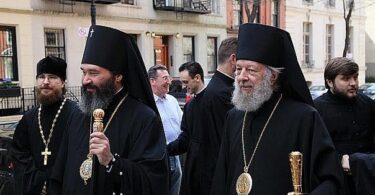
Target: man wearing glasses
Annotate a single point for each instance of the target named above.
(171, 115)
(37, 137)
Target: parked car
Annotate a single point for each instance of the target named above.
(370, 91)
(365, 86)
(317, 90)
(177, 91)
(6, 171)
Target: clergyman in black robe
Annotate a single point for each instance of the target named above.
(32, 172)
(190, 139)
(217, 102)
(273, 116)
(349, 117)
(130, 155)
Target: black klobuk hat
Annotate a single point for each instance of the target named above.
(118, 52)
(274, 47)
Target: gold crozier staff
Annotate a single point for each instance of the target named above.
(295, 159)
(86, 167)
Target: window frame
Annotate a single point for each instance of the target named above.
(331, 3)
(330, 31)
(212, 68)
(192, 54)
(13, 55)
(350, 52)
(129, 2)
(307, 35)
(61, 49)
(275, 12)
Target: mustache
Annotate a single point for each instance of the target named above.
(45, 87)
(90, 86)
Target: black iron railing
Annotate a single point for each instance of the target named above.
(20, 103)
(193, 6)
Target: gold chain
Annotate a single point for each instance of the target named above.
(110, 119)
(246, 167)
(113, 114)
(46, 143)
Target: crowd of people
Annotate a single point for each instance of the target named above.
(236, 133)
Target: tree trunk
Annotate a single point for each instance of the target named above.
(255, 8)
(254, 12)
(241, 11)
(347, 38)
(347, 27)
(247, 10)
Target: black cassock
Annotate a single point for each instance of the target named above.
(30, 173)
(351, 125)
(294, 126)
(189, 141)
(136, 134)
(217, 102)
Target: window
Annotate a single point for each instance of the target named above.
(170, 2)
(8, 54)
(188, 48)
(215, 7)
(275, 13)
(54, 42)
(329, 41)
(349, 53)
(348, 4)
(129, 2)
(211, 54)
(331, 3)
(310, 2)
(307, 47)
(236, 15)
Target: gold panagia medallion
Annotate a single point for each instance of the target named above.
(86, 169)
(244, 184)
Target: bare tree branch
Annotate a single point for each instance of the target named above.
(347, 22)
(251, 15)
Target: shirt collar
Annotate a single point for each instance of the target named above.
(200, 91)
(159, 98)
(225, 74)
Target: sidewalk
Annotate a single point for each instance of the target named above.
(8, 119)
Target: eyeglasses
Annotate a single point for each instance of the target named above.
(49, 77)
(165, 78)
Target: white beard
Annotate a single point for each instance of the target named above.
(252, 102)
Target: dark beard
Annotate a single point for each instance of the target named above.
(342, 95)
(47, 100)
(100, 99)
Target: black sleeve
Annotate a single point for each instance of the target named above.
(56, 179)
(220, 183)
(28, 178)
(145, 170)
(181, 144)
(322, 165)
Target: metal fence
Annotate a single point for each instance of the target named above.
(27, 100)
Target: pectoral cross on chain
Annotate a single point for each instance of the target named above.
(46, 153)
(92, 31)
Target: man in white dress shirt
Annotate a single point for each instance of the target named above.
(171, 115)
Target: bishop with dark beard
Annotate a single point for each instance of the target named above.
(272, 116)
(37, 138)
(129, 156)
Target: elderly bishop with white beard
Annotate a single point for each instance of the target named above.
(273, 116)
